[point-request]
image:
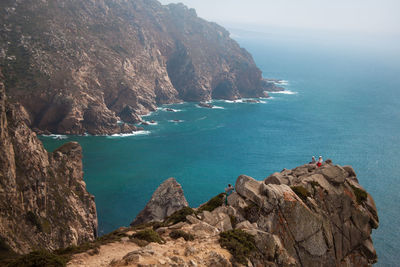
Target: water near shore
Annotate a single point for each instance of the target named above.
(342, 104)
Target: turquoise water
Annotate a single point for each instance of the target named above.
(346, 107)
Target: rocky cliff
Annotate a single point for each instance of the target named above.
(43, 198)
(306, 216)
(81, 66)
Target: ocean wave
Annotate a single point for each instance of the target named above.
(169, 109)
(56, 136)
(150, 123)
(285, 92)
(129, 134)
(282, 82)
(218, 107)
(176, 121)
(248, 101)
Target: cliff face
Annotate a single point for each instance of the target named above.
(80, 66)
(307, 216)
(43, 198)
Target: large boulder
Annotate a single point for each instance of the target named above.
(167, 199)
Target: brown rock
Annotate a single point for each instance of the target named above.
(43, 198)
(167, 199)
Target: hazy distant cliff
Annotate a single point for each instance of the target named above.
(80, 66)
(43, 198)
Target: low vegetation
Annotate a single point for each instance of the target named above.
(148, 235)
(39, 258)
(239, 243)
(301, 192)
(175, 234)
(213, 203)
(361, 195)
(178, 216)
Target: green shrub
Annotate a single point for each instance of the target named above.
(175, 234)
(148, 235)
(361, 195)
(301, 192)
(39, 258)
(178, 216)
(239, 243)
(213, 203)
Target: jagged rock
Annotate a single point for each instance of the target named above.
(323, 219)
(43, 198)
(78, 67)
(322, 225)
(167, 199)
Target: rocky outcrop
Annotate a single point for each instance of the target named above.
(321, 215)
(306, 216)
(81, 66)
(43, 198)
(167, 199)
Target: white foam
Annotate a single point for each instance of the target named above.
(169, 109)
(285, 92)
(282, 82)
(176, 121)
(246, 101)
(152, 123)
(56, 136)
(129, 134)
(218, 107)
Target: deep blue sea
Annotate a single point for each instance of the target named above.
(345, 106)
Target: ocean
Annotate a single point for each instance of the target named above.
(342, 102)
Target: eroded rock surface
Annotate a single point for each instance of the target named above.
(43, 198)
(81, 66)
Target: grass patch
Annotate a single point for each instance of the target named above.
(361, 195)
(301, 192)
(178, 216)
(148, 235)
(39, 258)
(175, 234)
(239, 243)
(213, 203)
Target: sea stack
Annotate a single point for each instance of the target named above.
(167, 199)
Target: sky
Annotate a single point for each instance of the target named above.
(348, 16)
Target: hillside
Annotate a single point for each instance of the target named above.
(83, 66)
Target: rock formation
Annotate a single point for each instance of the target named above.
(43, 198)
(306, 216)
(81, 66)
(167, 199)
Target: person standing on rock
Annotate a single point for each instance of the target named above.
(319, 163)
(229, 190)
(313, 161)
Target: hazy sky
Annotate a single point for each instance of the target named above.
(363, 16)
